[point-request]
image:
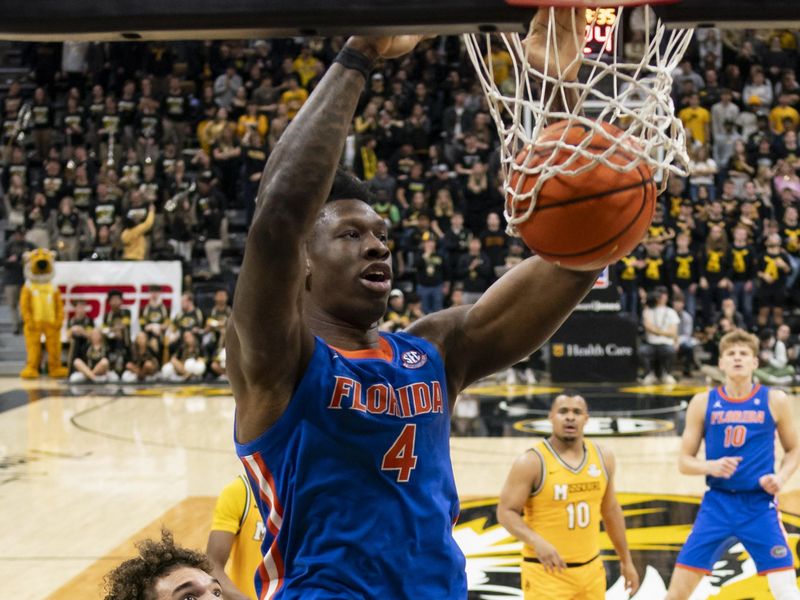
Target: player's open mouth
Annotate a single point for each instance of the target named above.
(377, 278)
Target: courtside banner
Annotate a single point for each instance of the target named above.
(92, 281)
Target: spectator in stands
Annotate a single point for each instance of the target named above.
(684, 274)
(14, 277)
(660, 323)
(654, 268)
(142, 363)
(742, 272)
(773, 270)
(226, 85)
(211, 228)
(433, 277)
(134, 234)
(217, 319)
(216, 367)
(294, 97)
(116, 329)
(79, 325)
(494, 240)
(187, 363)
(154, 319)
(190, 318)
(397, 316)
(686, 340)
(757, 94)
(696, 119)
(714, 282)
(702, 172)
(94, 364)
(773, 360)
(474, 270)
(782, 111)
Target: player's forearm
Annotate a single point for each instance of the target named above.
(515, 525)
(691, 465)
(789, 464)
(229, 590)
(300, 171)
(615, 527)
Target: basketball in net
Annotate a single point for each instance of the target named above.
(589, 215)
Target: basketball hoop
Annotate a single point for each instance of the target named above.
(633, 96)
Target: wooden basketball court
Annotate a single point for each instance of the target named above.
(87, 471)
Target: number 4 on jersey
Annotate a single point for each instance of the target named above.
(400, 457)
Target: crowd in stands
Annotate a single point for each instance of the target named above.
(134, 151)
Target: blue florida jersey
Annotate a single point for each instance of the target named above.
(740, 427)
(355, 482)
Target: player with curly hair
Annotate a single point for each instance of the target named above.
(162, 571)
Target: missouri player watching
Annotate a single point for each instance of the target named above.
(553, 500)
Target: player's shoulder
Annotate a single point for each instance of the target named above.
(531, 461)
(605, 453)
(701, 398)
(440, 328)
(778, 398)
(235, 488)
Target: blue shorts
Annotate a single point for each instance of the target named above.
(750, 517)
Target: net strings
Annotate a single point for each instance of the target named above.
(640, 103)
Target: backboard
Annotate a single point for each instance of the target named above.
(205, 19)
(734, 14)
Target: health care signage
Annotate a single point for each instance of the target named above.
(91, 281)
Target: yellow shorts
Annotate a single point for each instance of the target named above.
(587, 582)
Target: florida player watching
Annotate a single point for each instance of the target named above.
(738, 422)
(344, 430)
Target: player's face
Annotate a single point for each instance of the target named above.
(349, 263)
(738, 361)
(569, 415)
(187, 582)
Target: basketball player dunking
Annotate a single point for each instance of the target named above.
(344, 430)
(552, 502)
(738, 421)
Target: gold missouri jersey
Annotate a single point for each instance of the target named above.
(565, 507)
(237, 512)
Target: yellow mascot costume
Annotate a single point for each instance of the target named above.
(42, 313)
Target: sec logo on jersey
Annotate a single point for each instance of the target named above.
(413, 359)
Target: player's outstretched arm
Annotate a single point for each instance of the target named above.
(513, 318)
(525, 475)
(268, 343)
(615, 526)
(780, 405)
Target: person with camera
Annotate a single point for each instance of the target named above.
(660, 338)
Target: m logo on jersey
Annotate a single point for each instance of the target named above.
(413, 359)
(593, 471)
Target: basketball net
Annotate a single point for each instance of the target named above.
(635, 97)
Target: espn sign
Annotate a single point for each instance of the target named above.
(91, 282)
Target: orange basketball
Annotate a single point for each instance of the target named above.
(589, 220)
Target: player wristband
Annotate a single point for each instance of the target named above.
(353, 59)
